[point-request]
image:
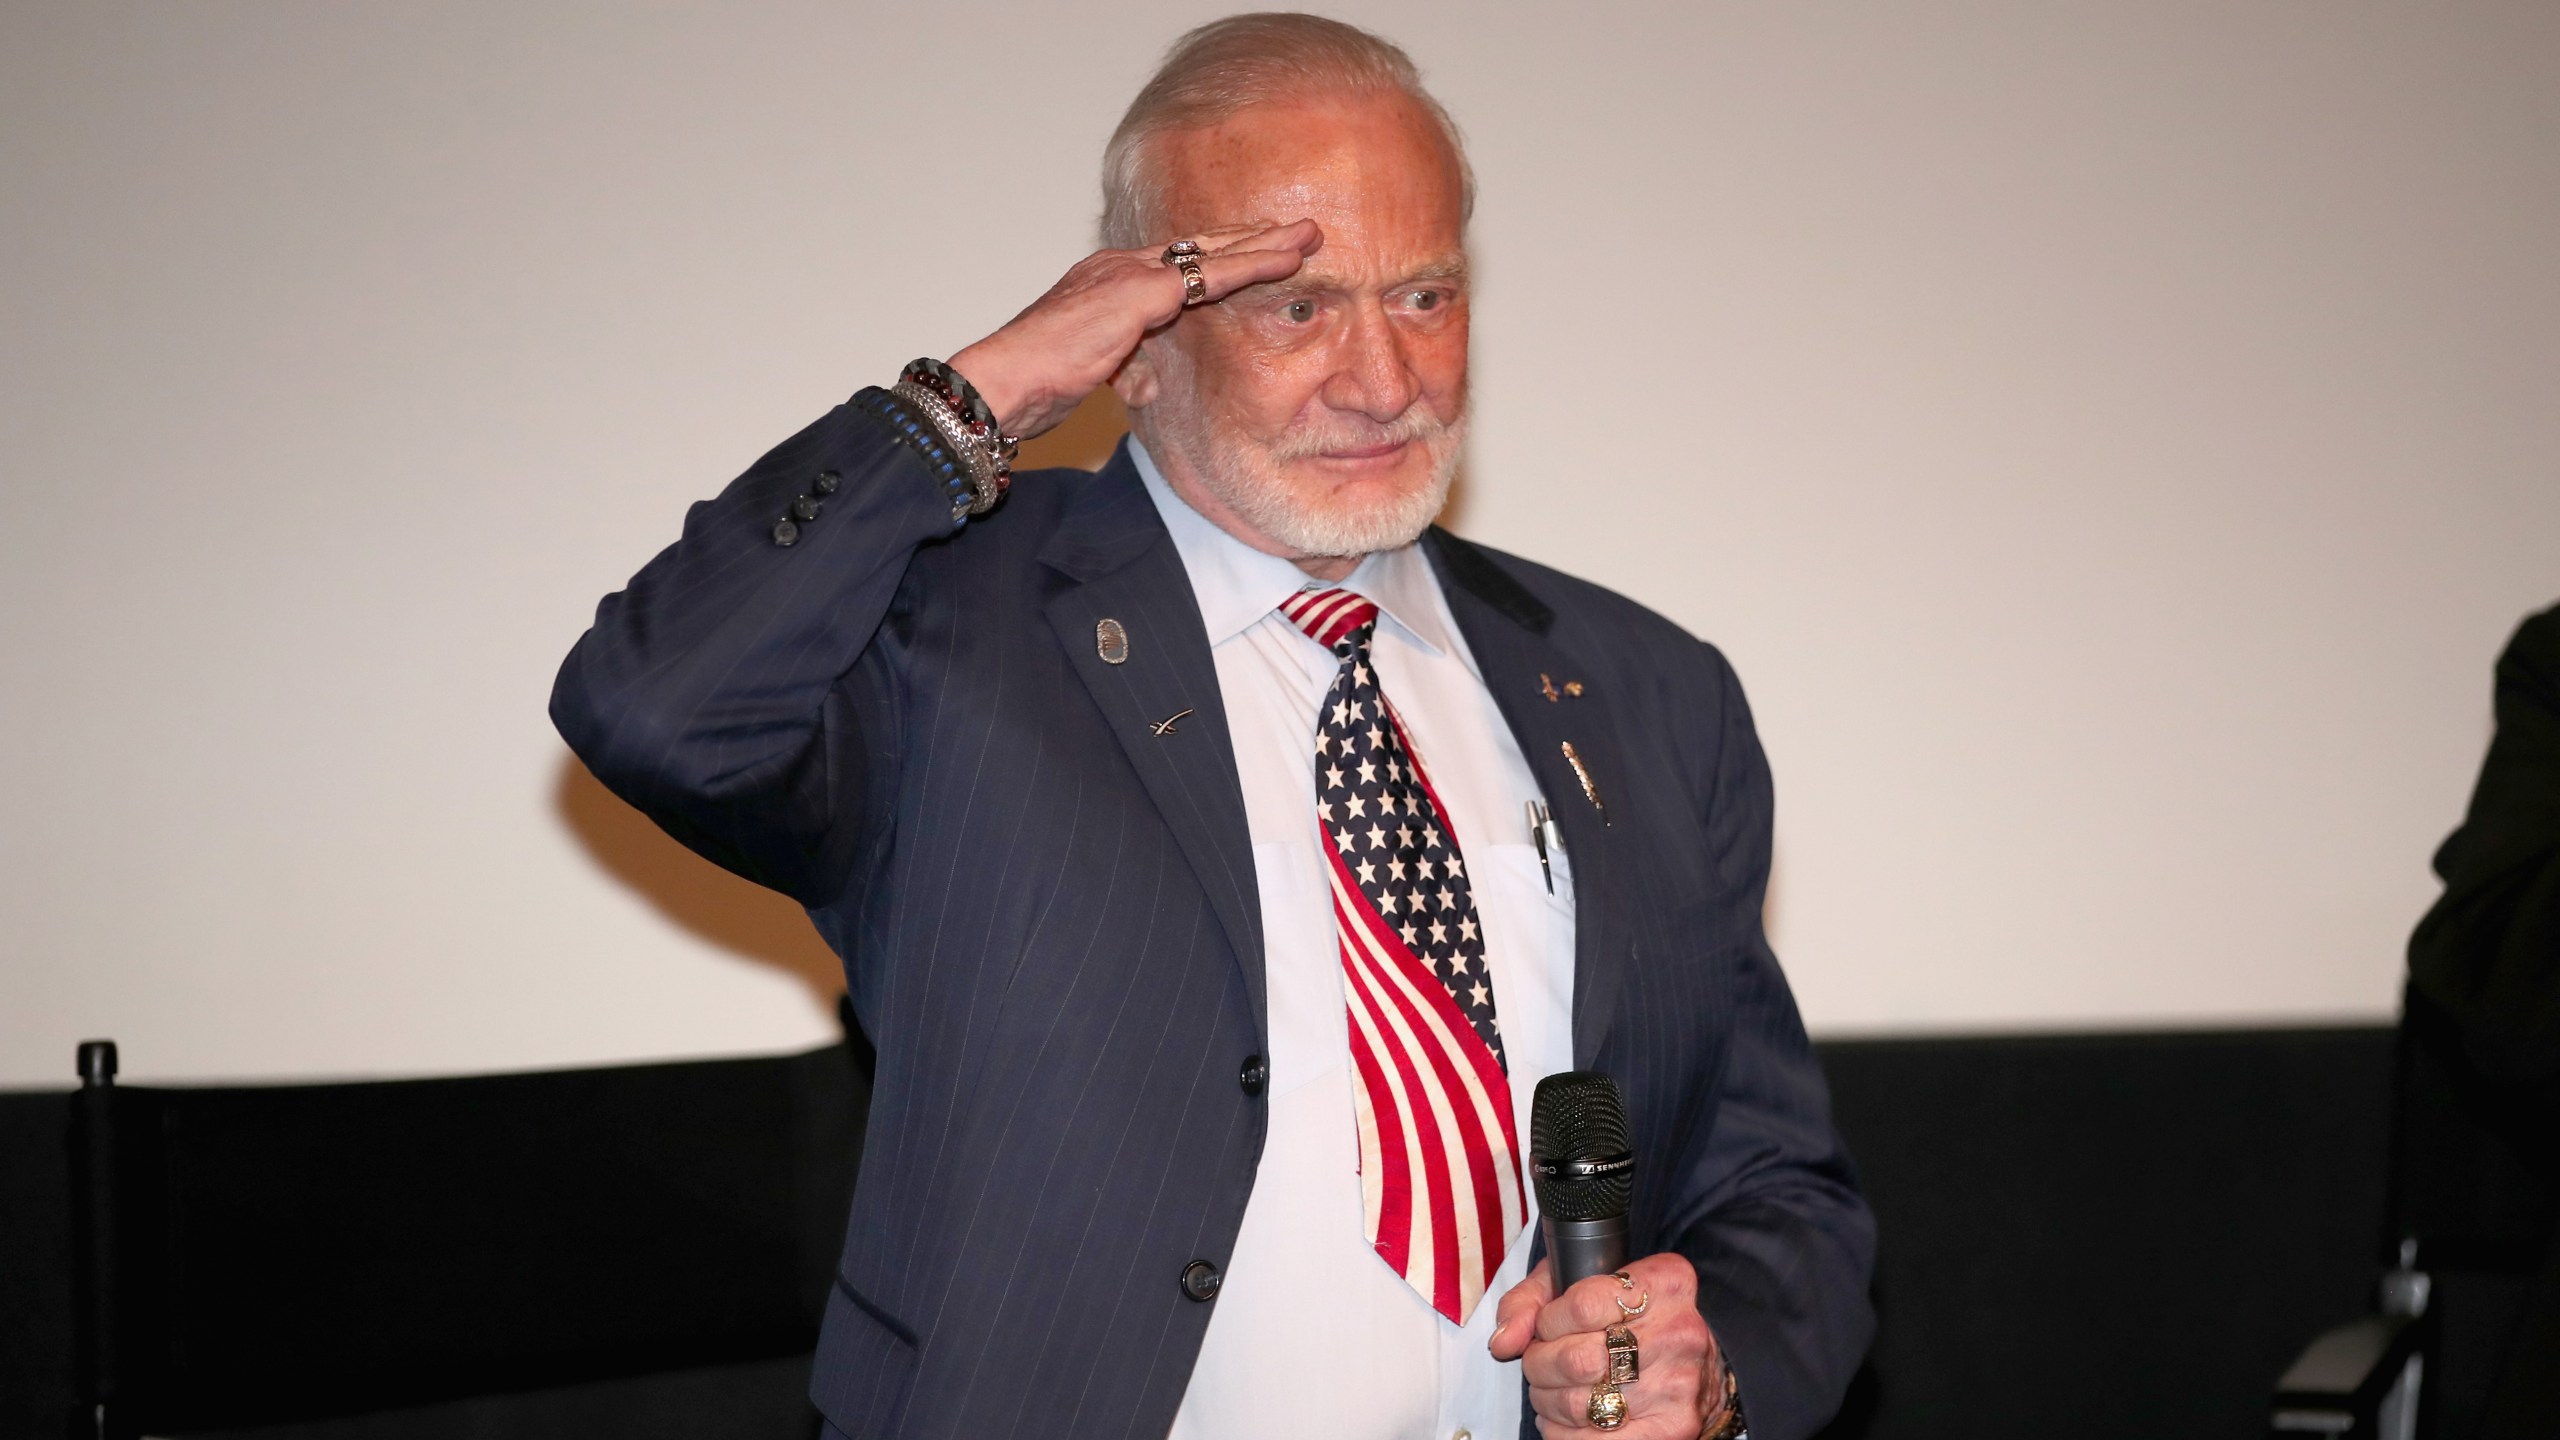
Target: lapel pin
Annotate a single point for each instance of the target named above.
(1164, 726)
(1111, 641)
(1547, 686)
(1582, 773)
(1573, 688)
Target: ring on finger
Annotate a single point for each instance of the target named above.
(1623, 1358)
(1606, 1409)
(1644, 1300)
(1184, 255)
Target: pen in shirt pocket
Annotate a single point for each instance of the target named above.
(1549, 840)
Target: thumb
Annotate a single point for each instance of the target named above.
(1515, 1316)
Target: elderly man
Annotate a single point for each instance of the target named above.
(1220, 854)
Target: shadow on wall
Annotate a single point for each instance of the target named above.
(1084, 440)
(737, 915)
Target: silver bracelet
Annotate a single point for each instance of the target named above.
(956, 433)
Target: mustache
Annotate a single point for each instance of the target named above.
(1360, 433)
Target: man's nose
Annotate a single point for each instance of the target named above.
(1374, 376)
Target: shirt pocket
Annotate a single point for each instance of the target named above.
(1307, 1023)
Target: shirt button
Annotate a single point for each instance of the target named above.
(1462, 1433)
(1200, 1280)
(1255, 1073)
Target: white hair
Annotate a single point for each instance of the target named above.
(1231, 65)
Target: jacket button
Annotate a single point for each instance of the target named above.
(1256, 1071)
(1200, 1280)
(785, 533)
(804, 509)
(826, 482)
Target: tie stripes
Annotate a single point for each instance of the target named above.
(1439, 1167)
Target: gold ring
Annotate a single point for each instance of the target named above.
(1184, 255)
(1643, 1303)
(1623, 1359)
(1607, 1409)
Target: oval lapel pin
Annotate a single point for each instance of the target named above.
(1111, 641)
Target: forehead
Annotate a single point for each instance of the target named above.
(1375, 171)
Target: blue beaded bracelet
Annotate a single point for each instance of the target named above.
(920, 436)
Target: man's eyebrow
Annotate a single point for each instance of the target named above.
(1452, 267)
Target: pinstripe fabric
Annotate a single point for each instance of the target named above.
(1050, 930)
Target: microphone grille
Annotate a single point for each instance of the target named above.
(1579, 1116)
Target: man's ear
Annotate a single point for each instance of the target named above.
(1136, 381)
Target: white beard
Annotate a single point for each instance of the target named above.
(1251, 478)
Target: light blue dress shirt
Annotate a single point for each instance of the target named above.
(1313, 1334)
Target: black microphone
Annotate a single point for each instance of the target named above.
(1585, 1168)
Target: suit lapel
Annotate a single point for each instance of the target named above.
(1508, 628)
(1123, 567)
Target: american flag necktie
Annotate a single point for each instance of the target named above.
(1431, 1093)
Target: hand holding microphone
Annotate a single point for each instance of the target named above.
(1610, 1345)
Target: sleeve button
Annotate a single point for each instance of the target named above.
(785, 534)
(1200, 1280)
(805, 509)
(826, 482)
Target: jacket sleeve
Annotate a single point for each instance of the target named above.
(1769, 1211)
(700, 695)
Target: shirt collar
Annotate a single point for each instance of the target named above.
(1237, 585)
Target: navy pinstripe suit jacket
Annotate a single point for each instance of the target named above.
(1049, 923)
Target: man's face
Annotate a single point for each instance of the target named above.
(1320, 415)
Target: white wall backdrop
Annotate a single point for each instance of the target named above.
(2112, 441)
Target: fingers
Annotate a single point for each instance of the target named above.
(1661, 1282)
(1569, 1352)
(1302, 236)
(1515, 1315)
(1665, 1341)
(1238, 256)
(1229, 271)
(1664, 1406)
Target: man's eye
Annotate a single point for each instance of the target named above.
(1298, 312)
(1426, 299)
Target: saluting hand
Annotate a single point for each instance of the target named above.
(1044, 361)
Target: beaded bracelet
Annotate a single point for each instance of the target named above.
(921, 436)
(979, 429)
(925, 401)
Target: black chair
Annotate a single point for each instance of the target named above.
(2473, 1210)
(2107, 1235)
(252, 1256)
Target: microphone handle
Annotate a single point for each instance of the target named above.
(1584, 1248)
